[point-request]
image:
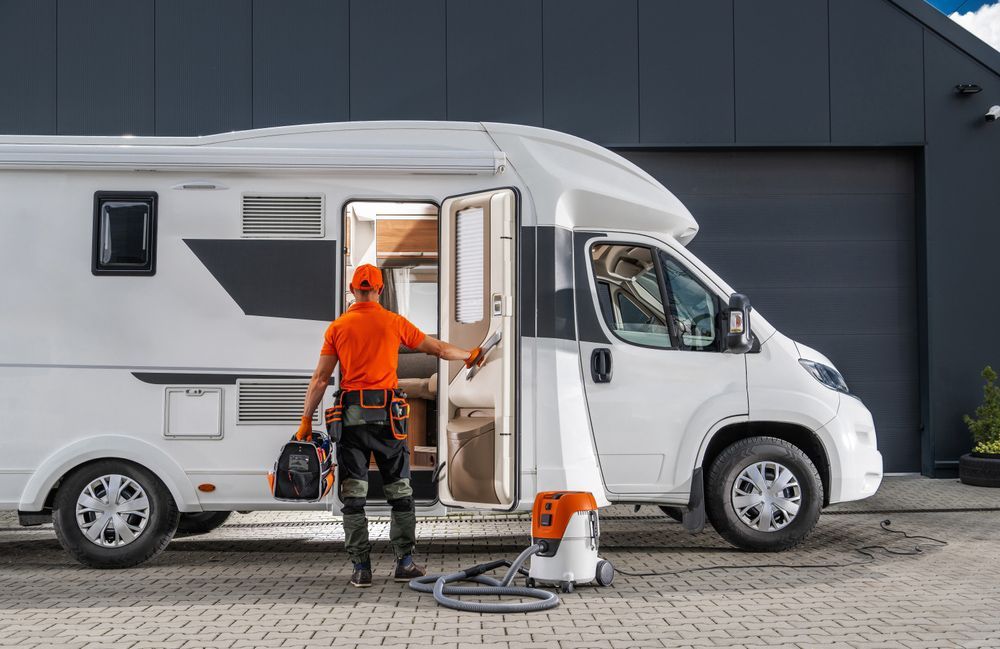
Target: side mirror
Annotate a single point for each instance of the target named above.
(739, 339)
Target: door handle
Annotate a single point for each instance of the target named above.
(600, 365)
(487, 345)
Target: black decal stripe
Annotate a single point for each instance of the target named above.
(276, 278)
(526, 296)
(555, 311)
(587, 321)
(189, 378)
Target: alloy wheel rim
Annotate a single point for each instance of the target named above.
(766, 496)
(112, 511)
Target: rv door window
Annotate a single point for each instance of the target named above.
(629, 292)
(124, 234)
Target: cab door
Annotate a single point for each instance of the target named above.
(477, 423)
(662, 373)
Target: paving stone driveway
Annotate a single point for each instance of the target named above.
(279, 580)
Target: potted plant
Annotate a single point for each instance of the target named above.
(981, 467)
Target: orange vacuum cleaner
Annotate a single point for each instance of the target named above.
(565, 534)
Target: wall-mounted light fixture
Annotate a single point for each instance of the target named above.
(968, 88)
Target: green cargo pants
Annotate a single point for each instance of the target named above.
(358, 443)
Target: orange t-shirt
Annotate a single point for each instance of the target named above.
(366, 339)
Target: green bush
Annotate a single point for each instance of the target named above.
(985, 426)
(987, 448)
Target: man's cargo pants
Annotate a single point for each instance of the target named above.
(392, 456)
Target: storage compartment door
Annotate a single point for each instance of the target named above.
(477, 430)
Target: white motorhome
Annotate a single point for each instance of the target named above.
(164, 301)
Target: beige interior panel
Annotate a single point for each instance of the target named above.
(476, 427)
(470, 459)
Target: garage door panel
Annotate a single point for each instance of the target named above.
(836, 311)
(823, 242)
(900, 452)
(755, 173)
(826, 264)
(844, 217)
(861, 357)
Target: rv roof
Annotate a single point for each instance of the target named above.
(572, 182)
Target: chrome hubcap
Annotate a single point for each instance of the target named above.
(112, 511)
(766, 496)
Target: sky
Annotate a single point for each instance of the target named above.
(981, 17)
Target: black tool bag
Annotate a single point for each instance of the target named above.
(304, 471)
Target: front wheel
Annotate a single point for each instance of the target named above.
(113, 514)
(763, 494)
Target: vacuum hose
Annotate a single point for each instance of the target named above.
(441, 586)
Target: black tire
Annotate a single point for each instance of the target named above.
(676, 513)
(529, 582)
(731, 463)
(566, 586)
(150, 541)
(979, 471)
(201, 522)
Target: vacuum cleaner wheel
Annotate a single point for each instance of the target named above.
(605, 573)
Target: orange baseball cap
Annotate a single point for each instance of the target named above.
(367, 278)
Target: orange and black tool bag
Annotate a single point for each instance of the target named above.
(304, 471)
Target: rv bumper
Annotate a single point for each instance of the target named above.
(855, 463)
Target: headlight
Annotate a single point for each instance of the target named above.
(826, 375)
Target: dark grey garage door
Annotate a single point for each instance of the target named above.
(823, 243)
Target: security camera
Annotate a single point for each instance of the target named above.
(993, 114)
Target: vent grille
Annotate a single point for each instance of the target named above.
(272, 401)
(286, 217)
(469, 275)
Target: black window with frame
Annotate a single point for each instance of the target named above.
(124, 233)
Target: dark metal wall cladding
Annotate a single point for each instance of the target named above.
(28, 66)
(105, 67)
(592, 68)
(398, 59)
(962, 158)
(876, 73)
(782, 71)
(301, 61)
(679, 102)
(500, 42)
(824, 245)
(203, 66)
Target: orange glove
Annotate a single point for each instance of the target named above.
(305, 430)
(475, 358)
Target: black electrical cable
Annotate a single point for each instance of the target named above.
(868, 551)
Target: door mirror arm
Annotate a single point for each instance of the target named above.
(739, 339)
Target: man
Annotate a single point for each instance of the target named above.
(365, 340)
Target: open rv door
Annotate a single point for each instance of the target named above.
(477, 424)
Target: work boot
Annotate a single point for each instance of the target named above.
(362, 577)
(406, 569)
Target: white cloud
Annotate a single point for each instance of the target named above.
(983, 22)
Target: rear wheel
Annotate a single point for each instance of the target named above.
(201, 522)
(113, 514)
(763, 494)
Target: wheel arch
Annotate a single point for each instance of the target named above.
(796, 434)
(44, 482)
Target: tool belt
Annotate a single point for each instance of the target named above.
(375, 407)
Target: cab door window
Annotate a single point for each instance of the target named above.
(694, 309)
(630, 294)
